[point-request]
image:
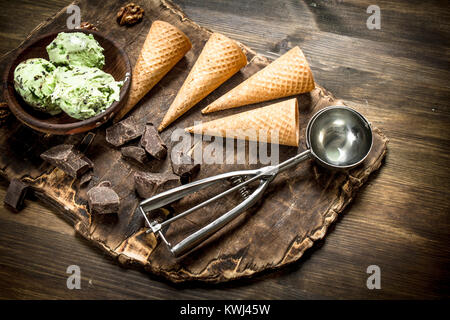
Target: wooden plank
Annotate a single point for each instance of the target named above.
(274, 235)
(405, 201)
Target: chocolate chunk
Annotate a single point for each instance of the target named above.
(124, 131)
(102, 199)
(15, 195)
(149, 184)
(152, 142)
(85, 178)
(86, 142)
(183, 166)
(68, 159)
(136, 153)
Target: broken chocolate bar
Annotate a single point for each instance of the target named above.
(136, 153)
(15, 195)
(102, 199)
(149, 184)
(68, 159)
(152, 142)
(124, 131)
(183, 166)
(86, 178)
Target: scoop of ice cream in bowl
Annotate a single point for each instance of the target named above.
(67, 82)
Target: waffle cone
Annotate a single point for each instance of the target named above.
(261, 124)
(219, 60)
(288, 75)
(164, 46)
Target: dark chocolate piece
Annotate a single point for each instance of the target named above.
(102, 199)
(149, 184)
(68, 159)
(86, 178)
(15, 195)
(152, 142)
(183, 166)
(124, 131)
(86, 142)
(136, 153)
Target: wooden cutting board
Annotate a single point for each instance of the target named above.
(295, 212)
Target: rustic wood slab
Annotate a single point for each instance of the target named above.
(295, 212)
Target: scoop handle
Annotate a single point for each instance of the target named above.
(292, 162)
(204, 233)
(169, 196)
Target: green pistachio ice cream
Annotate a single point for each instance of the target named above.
(83, 92)
(34, 81)
(77, 49)
(77, 86)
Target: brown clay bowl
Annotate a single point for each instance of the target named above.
(116, 63)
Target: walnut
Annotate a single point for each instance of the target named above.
(88, 26)
(4, 113)
(130, 14)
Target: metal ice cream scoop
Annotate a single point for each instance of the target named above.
(337, 137)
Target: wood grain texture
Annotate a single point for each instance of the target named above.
(406, 206)
(273, 235)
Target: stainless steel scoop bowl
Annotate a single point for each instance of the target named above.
(337, 137)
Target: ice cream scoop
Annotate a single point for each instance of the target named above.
(337, 137)
(34, 81)
(84, 92)
(76, 48)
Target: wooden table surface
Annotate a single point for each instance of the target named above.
(400, 221)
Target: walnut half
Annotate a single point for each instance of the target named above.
(130, 14)
(88, 26)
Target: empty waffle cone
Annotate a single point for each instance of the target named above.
(276, 123)
(288, 75)
(164, 46)
(219, 60)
